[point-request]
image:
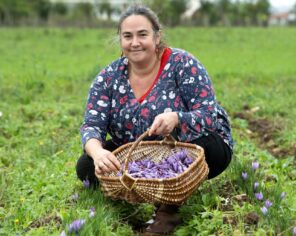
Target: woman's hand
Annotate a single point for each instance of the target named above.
(105, 162)
(164, 124)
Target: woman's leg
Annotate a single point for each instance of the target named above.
(217, 153)
(85, 168)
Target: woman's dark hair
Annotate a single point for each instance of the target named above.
(150, 15)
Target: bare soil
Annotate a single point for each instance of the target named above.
(265, 131)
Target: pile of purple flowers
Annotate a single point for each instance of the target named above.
(169, 167)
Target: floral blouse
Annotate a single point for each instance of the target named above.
(182, 85)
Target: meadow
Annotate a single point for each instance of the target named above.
(45, 75)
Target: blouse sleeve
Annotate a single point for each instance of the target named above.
(96, 117)
(199, 100)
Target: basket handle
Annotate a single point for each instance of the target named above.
(168, 138)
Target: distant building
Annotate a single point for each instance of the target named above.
(282, 18)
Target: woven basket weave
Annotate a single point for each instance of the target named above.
(167, 190)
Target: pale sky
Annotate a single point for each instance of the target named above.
(281, 3)
(274, 3)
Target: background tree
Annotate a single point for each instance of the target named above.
(168, 11)
(13, 11)
(262, 7)
(41, 8)
(59, 8)
(105, 8)
(208, 13)
(223, 8)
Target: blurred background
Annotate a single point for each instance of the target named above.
(105, 13)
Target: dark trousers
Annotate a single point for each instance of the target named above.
(217, 154)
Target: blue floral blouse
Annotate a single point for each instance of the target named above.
(183, 85)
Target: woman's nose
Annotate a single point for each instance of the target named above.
(135, 41)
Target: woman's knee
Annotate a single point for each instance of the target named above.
(85, 167)
(217, 153)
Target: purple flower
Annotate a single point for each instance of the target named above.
(76, 225)
(244, 175)
(264, 210)
(187, 161)
(259, 196)
(294, 231)
(268, 203)
(256, 185)
(86, 183)
(255, 165)
(283, 194)
(92, 212)
(63, 233)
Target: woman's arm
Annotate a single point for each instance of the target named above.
(96, 117)
(198, 96)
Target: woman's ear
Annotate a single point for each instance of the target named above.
(157, 37)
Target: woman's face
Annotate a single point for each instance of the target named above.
(138, 40)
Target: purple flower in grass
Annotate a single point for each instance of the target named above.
(259, 196)
(244, 175)
(76, 225)
(86, 183)
(264, 210)
(294, 231)
(255, 165)
(63, 233)
(283, 194)
(92, 212)
(256, 185)
(268, 203)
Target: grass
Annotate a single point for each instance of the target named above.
(44, 79)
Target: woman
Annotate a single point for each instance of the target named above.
(152, 86)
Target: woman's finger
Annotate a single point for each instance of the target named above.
(109, 166)
(114, 162)
(97, 170)
(155, 125)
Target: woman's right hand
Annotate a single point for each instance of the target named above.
(105, 162)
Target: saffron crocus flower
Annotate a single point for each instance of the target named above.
(244, 175)
(256, 185)
(63, 233)
(264, 210)
(86, 183)
(294, 231)
(268, 203)
(259, 196)
(76, 225)
(255, 165)
(92, 212)
(283, 194)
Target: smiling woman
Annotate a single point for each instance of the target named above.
(151, 86)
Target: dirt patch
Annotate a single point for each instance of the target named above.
(46, 220)
(265, 131)
(251, 218)
(241, 199)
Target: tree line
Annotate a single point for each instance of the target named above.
(170, 12)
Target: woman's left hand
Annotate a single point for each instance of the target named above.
(164, 124)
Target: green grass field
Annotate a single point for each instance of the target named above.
(45, 75)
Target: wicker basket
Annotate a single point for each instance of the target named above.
(167, 190)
